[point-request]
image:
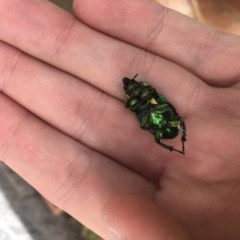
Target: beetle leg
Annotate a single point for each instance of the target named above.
(182, 127)
(184, 135)
(158, 137)
(170, 148)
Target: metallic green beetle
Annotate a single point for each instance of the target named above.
(154, 112)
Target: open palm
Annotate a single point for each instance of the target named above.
(64, 127)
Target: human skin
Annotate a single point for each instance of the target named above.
(65, 130)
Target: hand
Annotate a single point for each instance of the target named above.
(65, 130)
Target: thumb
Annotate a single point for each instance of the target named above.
(135, 217)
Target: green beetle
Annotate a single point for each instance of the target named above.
(154, 112)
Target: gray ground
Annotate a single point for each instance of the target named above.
(32, 210)
(66, 4)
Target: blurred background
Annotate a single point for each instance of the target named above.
(221, 14)
(25, 215)
(66, 4)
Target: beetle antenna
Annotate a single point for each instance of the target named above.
(135, 76)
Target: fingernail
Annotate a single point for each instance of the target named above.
(113, 232)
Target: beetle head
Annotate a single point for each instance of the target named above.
(129, 83)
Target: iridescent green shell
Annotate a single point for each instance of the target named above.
(154, 112)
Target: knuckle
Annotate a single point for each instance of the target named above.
(198, 97)
(10, 138)
(157, 27)
(63, 36)
(75, 174)
(204, 50)
(10, 63)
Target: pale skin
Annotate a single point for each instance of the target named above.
(77, 144)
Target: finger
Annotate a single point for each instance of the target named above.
(67, 44)
(61, 169)
(80, 111)
(141, 213)
(212, 55)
